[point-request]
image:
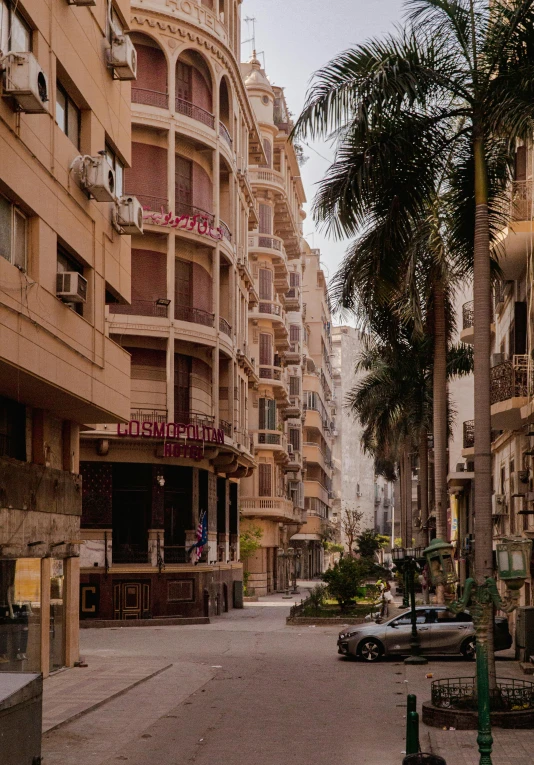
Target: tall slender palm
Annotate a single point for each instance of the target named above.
(459, 79)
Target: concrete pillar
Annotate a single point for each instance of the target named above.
(46, 569)
(71, 599)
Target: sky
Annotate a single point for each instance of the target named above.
(297, 37)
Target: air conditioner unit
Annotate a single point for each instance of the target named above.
(498, 504)
(130, 215)
(71, 287)
(497, 358)
(25, 81)
(96, 176)
(122, 58)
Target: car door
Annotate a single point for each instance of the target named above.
(399, 632)
(449, 631)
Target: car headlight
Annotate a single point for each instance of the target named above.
(345, 635)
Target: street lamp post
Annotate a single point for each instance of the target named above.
(513, 560)
(408, 560)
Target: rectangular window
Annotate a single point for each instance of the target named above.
(13, 234)
(182, 281)
(66, 262)
(266, 349)
(265, 480)
(266, 219)
(294, 279)
(182, 384)
(184, 77)
(267, 414)
(294, 438)
(294, 333)
(266, 284)
(68, 116)
(15, 34)
(118, 166)
(183, 182)
(294, 385)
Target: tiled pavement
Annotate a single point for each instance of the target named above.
(73, 692)
(510, 747)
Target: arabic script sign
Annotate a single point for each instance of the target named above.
(197, 223)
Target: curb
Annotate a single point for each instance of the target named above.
(171, 621)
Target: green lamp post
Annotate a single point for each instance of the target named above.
(513, 561)
(409, 561)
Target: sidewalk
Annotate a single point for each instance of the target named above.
(73, 692)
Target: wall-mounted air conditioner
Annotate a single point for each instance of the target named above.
(96, 176)
(122, 58)
(129, 215)
(25, 81)
(71, 287)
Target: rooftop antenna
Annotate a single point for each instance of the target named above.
(251, 20)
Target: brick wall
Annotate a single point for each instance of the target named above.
(148, 173)
(151, 69)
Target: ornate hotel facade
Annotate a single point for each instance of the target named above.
(148, 484)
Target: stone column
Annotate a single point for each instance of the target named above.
(46, 568)
(72, 610)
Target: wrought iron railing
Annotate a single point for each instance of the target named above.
(150, 97)
(225, 327)
(141, 308)
(227, 427)
(194, 315)
(184, 208)
(193, 418)
(272, 308)
(460, 693)
(130, 554)
(151, 203)
(293, 294)
(195, 112)
(274, 439)
(510, 379)
(224, 133)
(227, 234)
(149, 415)
(270, 373)
(468, 315)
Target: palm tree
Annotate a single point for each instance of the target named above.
(458, 81)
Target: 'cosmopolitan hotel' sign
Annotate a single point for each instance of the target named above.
(171, 433)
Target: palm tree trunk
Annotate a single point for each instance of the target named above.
(423, 483)
(481, 297)
(402, 494)
(408, 489)
(439, 384)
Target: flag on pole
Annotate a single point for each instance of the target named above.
(195, 551)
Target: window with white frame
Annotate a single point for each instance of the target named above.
(13, 234)
(118, 166)
(68, 116)
(15, 34)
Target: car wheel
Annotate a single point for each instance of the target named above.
(468, 648)
(370, 650)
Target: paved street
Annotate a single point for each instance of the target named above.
(249, 689)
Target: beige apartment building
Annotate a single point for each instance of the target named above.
(64, 142)
(170, 477)
(319, 422)
(272, 497)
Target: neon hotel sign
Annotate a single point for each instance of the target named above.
(171, 433)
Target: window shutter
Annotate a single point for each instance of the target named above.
(266, 349)
(183, 81)
(266, 219)
(294, 279)
(294, 333)
(266, 284)
(268, 152)
(294, 438)
(271, 414)
(265, 480)
(294, 386)
(182, 375)
(182, 282)
(183, 181)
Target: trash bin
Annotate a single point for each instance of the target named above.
(423, 759)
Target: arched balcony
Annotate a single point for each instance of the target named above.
(194, 89)
(193, 190)
(151, 85)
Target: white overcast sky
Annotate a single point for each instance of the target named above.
(297, 37)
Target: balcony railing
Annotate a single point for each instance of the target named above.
(129, 554)
(151, 203)
(270, 373)
(227, 427)
(184, 208)
(195, 112)
(510, 379)
(194, 418)
(272, 308)
(149, 415)
(521, 202)
(194, 315)
(293, 294)
(266, 437)
(225, 230)
(225, 327)
(150, 97)
(141, 308)
(468, 315)
(223, 132)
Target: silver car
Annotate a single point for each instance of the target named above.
(440, 632)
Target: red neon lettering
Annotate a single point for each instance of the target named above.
(147, 430)
(134, 428)
(120, 431)
(158, 430)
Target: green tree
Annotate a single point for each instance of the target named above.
(344, 579)
(370, 542)
(459, 79)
